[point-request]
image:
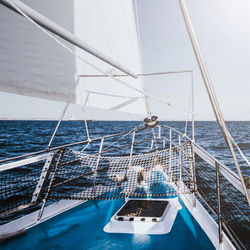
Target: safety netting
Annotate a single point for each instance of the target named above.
(17, 186)
(94, 177)
(76, 175)
(233, 205)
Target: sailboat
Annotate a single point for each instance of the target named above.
(151, 186)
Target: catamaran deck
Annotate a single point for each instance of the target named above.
(82, 228)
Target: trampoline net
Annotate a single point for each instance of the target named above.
(94, 177)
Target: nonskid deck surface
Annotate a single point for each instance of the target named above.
(82, 228)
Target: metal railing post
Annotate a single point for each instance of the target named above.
(210, 91)
(132, 148)
(180, 165)
(50, 184)
(164, 143)
(132, 144)
(193, 173)
(152, 145)
(159, 131)
(192, 86)
(218, 200)
(93, 193)
(154, 139)
(43, 177)
(170, 156)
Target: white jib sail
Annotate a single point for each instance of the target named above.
(110, 27)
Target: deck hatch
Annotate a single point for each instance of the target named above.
(143, 208)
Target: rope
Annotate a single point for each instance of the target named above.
(210, 91)
(115, 177)
(108, 74)
(118, 80)
(129, 132)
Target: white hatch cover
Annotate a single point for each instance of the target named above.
(144, 216)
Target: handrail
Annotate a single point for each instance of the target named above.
(204, 151)
(216, 161)
(23, 162)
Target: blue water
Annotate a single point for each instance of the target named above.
(19, 137)
(74, 229)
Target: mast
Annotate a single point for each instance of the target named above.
(210, 90)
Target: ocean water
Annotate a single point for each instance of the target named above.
(21, 137)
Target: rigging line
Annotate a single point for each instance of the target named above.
(63, 112)
(178, 108)
(87, 130)
(85, 147)
(144, 74)
(113, 77)
(108, 74)
(85, 122)
(112, 95)
(90, 64)
(210, 91)
(132, 130)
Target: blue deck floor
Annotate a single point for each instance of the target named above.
(82, 228)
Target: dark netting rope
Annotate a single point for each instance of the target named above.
(234, 208)
(161, 173)
(17, 186)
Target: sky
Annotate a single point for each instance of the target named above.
(223, 31)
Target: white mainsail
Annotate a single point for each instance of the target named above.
(34, 65)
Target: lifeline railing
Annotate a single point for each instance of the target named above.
(221, 192)
(24, 178)
(30, 182)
